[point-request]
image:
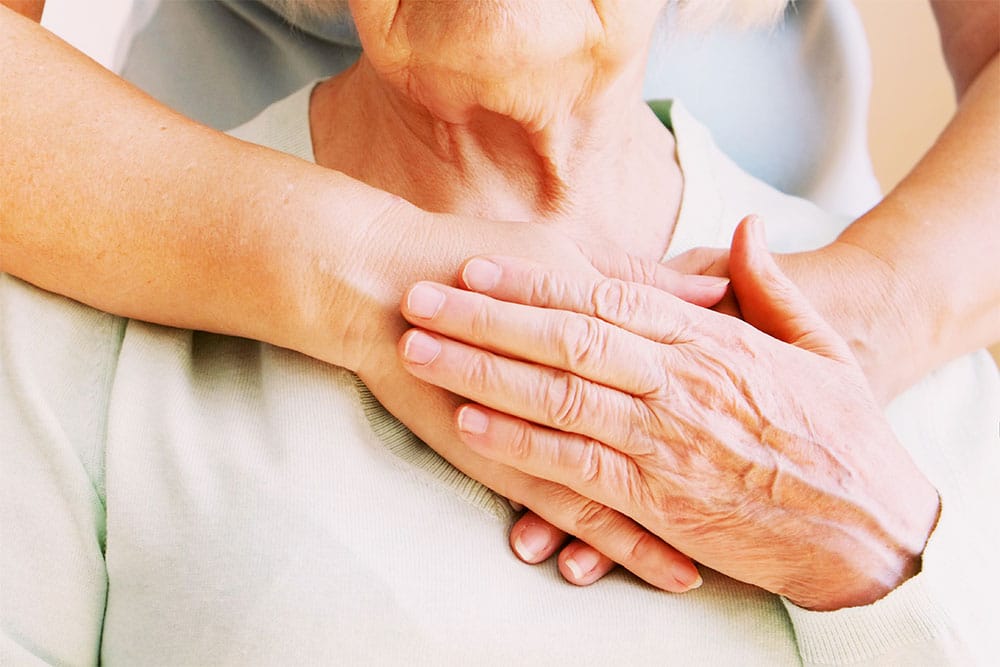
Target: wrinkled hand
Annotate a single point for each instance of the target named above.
(435, 247)
(760, 453)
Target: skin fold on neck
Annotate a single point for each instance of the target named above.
(568, 144)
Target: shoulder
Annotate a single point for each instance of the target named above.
(57, 362)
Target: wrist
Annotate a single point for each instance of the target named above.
(874, 553)
(337, 292)
(870, 306)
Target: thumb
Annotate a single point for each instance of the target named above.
(695, 289)
(771, 302)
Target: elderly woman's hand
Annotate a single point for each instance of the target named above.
(436, 246)
(767, 460)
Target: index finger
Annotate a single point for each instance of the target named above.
(640, 309)
(570, 341)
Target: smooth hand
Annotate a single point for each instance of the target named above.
(759, 452)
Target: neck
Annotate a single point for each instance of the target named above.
(601, 170)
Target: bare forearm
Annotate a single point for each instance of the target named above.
(970, 32)
(938, 234)
(114, 200)
(30, 8)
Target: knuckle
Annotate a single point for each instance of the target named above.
(482, 321)
(591, 462)
(641, 548)
(615, 301)
(642, 271)
(521, 443)
(566, 400)
(545, 288)
(479, 373)
(593, 518)
(582, 339)
(645, 427)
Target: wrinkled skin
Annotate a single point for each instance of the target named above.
(428, 410)
(514, 111)
(760, 453)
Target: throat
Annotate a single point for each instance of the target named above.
(602, 178)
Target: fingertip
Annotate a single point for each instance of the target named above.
(705, 291)
(581, 564)
(533, 539)
(755, 226)
(480, 274)
(748, 237)
(423, 301)
(419, 348)
(749, 252)
(472, 420)
(687, 578)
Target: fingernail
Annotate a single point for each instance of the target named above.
(708, 281)
(531, 542)
(582, 562)
(424, 301)
(472, 420)
(688, 583)
(481, 274)
(421, 348)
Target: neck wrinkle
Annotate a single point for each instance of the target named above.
(601, 170)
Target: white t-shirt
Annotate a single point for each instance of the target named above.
(789, 104)
(183, 498)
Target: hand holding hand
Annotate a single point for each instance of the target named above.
(413, 245)
(873, 316)
(767, 460)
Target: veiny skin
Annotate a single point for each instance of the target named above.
(760, 452)
(332, 256)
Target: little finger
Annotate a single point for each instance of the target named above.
(533, 539)
(613, 534)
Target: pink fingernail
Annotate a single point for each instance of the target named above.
(424, 301)
(531, 542)
(481, 275)
(421, 348)
(582, 563)
(472, 420)
(688, 582)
